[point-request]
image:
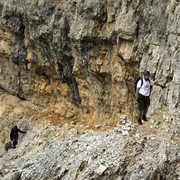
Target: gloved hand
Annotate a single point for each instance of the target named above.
(162, 86)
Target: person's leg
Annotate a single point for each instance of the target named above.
(141, 112)
(144, 114)
(14, 144)
(145, 111)
(147, 104)
(141, 106)
(140, 117)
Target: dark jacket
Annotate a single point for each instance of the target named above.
(14, 133)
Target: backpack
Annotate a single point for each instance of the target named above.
(135, 84)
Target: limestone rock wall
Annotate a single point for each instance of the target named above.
(68, 67)
(89, 53)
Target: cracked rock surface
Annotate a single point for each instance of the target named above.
(140, 153)
(67, 73)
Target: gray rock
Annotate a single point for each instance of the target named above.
(100, 170)
(75, 62)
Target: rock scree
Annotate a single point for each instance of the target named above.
(67, 73)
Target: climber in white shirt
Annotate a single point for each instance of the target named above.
(143, 91)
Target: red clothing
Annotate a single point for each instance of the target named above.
(14, 133)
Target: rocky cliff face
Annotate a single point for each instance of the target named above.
(76, 61)
(89, 52)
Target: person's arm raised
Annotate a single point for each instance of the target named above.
(157, 84)
(21, 131)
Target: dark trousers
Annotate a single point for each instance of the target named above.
(143, 102)
(14, 142)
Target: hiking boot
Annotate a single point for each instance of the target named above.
(139, 121)
(144, 118)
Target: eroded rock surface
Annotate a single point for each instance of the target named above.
(95, 48)
(125, 152)
(68, 67)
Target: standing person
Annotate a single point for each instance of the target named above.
(14, 135)
(143, 91)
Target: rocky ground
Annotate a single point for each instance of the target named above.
(67, 76)
(70, 151)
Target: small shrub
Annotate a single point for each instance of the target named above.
(8, 146)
